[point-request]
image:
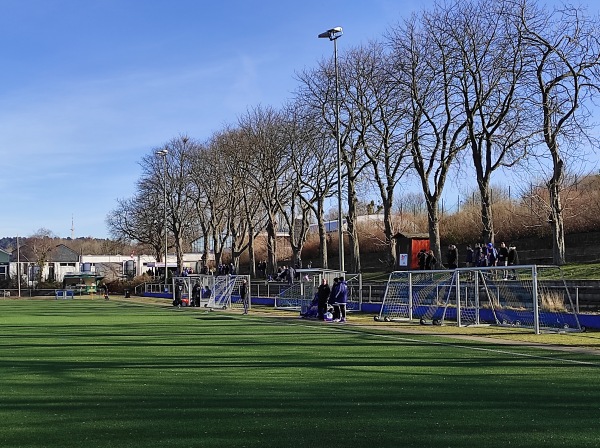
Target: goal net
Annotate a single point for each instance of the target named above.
(299, 295)
(416, 295)
(535, 297)
(226, 292)
(220, 291)
(61, 294)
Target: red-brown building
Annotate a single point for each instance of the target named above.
(408, 246)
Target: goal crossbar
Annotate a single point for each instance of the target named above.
(530, 296)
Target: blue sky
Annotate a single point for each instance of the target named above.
(88, 87)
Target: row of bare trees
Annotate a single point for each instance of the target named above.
(466, 89)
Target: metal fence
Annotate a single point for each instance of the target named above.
(30, 292)
(371, 292)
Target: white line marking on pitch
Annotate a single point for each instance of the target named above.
(450, 344)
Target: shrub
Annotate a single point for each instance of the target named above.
(552, 301)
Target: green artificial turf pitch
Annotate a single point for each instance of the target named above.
(91, 373)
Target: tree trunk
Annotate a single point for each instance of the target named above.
(433, 221)
(235, 260)
(271, 244)
(556, 216)
(355, 265)
(487, 219)
(323, 249)
(205, 247)
(251, 255)
(389, 233)
(218, 249)
(179, 253)
(158, 252)
(323, 245)
(235, 252)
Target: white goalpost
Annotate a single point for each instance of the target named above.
(218, 292)
(535, 297)
(63, 294)
(300, 294)
(226, 292)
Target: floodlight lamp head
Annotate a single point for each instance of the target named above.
(162, 152)
(332, 34)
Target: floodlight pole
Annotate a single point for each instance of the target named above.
(333, 34)
(163, 153)
(19, 266)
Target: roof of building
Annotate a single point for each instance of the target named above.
(58, 254)
(414, 236)
(4, 256)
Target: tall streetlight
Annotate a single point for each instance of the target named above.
(163, 153)
(19, 264)
(333, 35)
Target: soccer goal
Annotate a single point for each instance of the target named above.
(217, 292)
(64, 294)
(297, 295)
(418, 295)
(535, 297)
(226, 291)
(300, 294)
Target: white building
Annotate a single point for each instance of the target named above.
(61, 260)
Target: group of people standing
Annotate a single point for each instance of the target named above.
(336, 297)
(285, 274)
(426, 259)
(226, 269)
(199, 292)
(481, 255)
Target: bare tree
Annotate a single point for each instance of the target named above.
(246, 216)
(140, 219)
(41, 244)
(308, 180)
(211, 194)
(176, 173)
(384, 106)
(267, 162)
(314, 164)
(201, 175)
(425, 63)
(563, 55)
(355, 123)
(490, 66)
(318, 93)
(312, 159)
(296, 214)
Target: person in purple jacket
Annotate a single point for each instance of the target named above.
(341, 297)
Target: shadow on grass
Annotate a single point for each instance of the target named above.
(119, 376)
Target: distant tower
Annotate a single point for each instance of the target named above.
(72, 228)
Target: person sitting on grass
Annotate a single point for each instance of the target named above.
(313, 308)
